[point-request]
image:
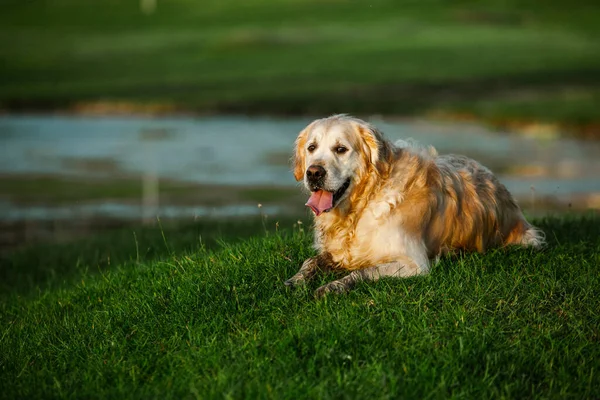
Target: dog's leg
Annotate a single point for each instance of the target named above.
(321, 263)
(402, 268)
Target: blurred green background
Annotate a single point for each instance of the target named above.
(501, 60)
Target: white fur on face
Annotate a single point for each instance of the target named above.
(338, 167)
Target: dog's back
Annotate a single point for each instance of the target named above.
(478, 212)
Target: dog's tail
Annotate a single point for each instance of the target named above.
(533, 237)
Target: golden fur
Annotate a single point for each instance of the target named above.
(404, 207)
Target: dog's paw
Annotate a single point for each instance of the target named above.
(296, 280)
(336, 287)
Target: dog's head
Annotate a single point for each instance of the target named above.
(333, 155)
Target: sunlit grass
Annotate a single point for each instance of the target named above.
(174, 318)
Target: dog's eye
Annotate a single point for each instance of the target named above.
(341, 149)
(311, 148)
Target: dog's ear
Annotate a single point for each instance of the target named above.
(298, 158)
(375, 148)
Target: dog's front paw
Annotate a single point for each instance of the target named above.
(296, 280)
(332, 287)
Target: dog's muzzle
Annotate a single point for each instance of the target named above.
(315, 175)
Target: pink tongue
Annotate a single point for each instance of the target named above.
(320, 201)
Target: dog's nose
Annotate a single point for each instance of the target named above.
(315, 172)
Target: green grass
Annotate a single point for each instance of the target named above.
(215, 321)
(51, 189)
(311, 56)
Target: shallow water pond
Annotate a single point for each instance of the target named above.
(201, 154)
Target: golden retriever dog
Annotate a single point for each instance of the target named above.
(385, 210)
